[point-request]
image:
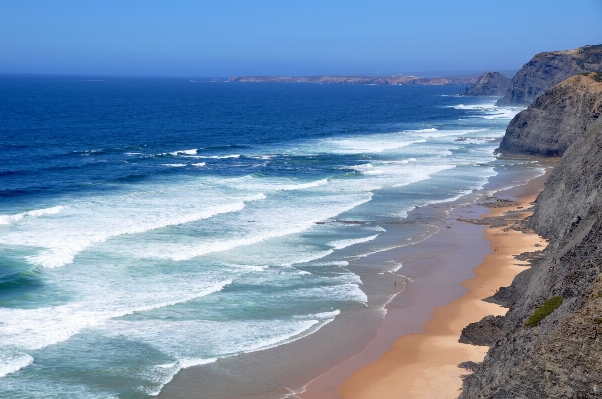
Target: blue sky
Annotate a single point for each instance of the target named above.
(287, 37)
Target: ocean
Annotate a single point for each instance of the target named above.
(151, 225)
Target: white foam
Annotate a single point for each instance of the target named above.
(470, 106)
(174, 165)
(64, 245)
(375, 228)
(489, 110)
(251, 183)
(185, 253)
(503, 113)
(397, 267)
(33, 329)
(163, 373)
(302, 186)
(340, 244)
(12, 361)
(458, 196)
(431, 129)
(256, 197)
(185, 152)
(340, 263)
(228, 338)
(364, 168)
(219, 156)
(271, 220)
(425, 173)
(328, 315)
(199, 164)
(255, 268)
(378, 167)
(308, 257)
(10, 219)
(370, 144)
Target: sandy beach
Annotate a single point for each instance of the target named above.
(422, 361)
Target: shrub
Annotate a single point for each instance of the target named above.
(544, 311)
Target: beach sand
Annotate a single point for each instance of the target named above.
(422, 361)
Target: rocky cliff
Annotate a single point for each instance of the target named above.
(490, 84)
(561, 357)
(548, 69)
(557, 118)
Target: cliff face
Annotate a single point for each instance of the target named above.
(557, 118)
(490, 84)
(562, 357)
(546, 70)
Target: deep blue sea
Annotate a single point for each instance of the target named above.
(149, 225)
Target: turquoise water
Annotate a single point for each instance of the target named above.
(150, 225)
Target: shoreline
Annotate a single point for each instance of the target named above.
(418, 358)
(358, 337)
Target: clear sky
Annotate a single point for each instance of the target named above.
(287, 37)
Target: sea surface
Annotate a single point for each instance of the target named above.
(149, 225)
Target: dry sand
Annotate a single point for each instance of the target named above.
(425, 365)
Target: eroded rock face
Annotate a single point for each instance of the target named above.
(572, 191)
(546, 70)
(490, 84)
(561, 357)
(557, 118)
(484, 333)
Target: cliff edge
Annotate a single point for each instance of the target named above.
(559, 356)
(557, 118)
(549, 344)
(490, 84)
(546, 70)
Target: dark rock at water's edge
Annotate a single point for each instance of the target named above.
(557, 118)
(562, 356)
(489, 84)
(485, 333)
(468, 365)
(546, 70)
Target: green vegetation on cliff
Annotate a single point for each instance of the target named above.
(544, 311)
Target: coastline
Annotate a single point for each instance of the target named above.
(416, 351)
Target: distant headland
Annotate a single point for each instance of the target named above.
(357, 80)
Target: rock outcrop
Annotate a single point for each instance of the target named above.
(484, 333)
(490, 84)
(557, 118)
(562, 356)
(546, 70)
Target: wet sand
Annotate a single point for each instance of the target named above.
(416, 352)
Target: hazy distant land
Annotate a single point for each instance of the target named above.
(376, 80)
